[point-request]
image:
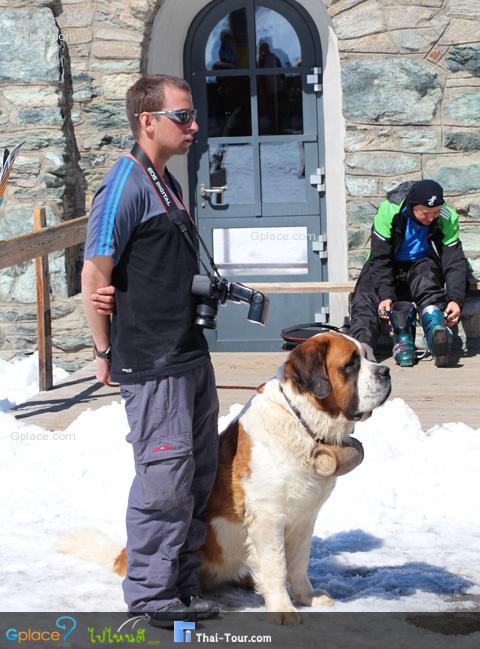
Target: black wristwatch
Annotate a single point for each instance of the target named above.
(107, 354)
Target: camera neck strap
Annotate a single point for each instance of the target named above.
(164, 192)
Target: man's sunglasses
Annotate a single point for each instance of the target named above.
(181, 116)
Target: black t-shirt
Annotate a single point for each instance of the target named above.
(153, 334)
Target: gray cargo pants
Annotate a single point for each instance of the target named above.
(174, 435)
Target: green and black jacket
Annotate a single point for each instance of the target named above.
(388, 231)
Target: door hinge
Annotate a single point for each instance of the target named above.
(314, 79)
(320, 246)
(318, 179)
(323, 316)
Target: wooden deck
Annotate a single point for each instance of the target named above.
(437, 395)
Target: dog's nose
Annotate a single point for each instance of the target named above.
(384, 371)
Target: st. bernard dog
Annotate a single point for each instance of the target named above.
(269, 486)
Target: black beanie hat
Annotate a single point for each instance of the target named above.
(426, 192)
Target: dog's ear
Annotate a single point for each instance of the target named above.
(306, 367)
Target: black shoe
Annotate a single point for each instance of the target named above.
(203, 609)
(166, 616)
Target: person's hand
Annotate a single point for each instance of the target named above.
(452, 313)
(104, 300)
(103, 370)
(384, 309)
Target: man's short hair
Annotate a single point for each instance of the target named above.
(148, 93)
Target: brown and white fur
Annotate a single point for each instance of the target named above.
(267, 494)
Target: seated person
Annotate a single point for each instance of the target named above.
(416, 256)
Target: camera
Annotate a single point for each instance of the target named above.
(212, 291)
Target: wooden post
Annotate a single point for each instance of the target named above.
(44, 318)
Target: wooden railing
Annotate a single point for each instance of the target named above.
(36, 245)
(44, 240)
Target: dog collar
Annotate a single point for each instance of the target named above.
(298, 414)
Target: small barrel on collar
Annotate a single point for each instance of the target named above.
(330, 460)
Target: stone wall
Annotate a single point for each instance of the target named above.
(411, 92)
(64, 71)
(411, 77)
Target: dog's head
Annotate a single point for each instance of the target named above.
(331, 369)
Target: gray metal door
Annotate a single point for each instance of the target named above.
(256, 172)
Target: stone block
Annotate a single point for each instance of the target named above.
(114, 66)
(464, 8)
(456, 173)
(338, 6)
(116, 50)
(364, 138)
(420, 140)
(460, 31)
(463, 141)
(108, 115)
(361, 214)
(355, 263)
(470, 236)
(361, 186)
(382, 163)
(76, 15)
(25, 166)
(108, 32)
(360, 21)
(357, 239)
(417, 3)
(410, 17)
(143, 9)
(464, 59)
(375, 43)
(22, 95)
(390, 91)
(115, 86)
(474, 211)
(462, 107)
(414, 40)
(34, 140)
(45, 116)
(73, 341)
(29, 45)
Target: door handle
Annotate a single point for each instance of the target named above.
(206, 191)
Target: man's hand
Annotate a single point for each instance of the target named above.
(103, 300)
(103, 370)
(452, 313)
(384, 309)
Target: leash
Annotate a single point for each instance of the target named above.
(240, 387)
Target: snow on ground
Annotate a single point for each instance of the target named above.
(19, 380)
(399, 533)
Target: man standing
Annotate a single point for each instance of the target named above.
(416, 256)
(156, 353)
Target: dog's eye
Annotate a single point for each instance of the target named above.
(352, 363)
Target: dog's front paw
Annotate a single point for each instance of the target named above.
(322, 600)
(285, 617)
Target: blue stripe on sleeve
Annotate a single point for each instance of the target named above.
(103, 207)
(115, 205)
(111, 197)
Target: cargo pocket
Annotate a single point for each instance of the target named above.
(167, 483)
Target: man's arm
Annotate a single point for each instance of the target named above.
(381, 252)
(97, 273)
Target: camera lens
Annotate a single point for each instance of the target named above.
(206, 313)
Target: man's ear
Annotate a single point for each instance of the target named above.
(306, 367)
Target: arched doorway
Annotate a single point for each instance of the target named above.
(251, 65)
